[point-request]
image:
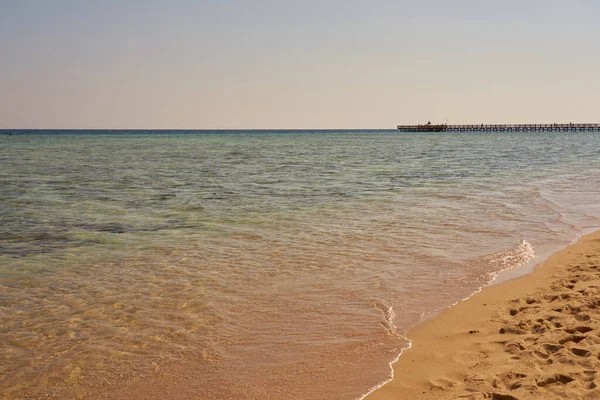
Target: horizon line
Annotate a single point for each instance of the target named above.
(193, 129)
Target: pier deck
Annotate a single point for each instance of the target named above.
(501, 128)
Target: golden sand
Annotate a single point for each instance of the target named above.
(535, 337)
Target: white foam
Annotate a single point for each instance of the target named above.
(391, 367)
(521, 254)
(518, 256)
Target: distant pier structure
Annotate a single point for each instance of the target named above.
(570, 127)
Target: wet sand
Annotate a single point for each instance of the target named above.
(534, 337)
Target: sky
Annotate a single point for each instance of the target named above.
(267, 64)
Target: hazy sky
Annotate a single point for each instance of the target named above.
(297, 64)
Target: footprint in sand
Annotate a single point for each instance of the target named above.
(580, 329)
(571, 338)
(556, 378)
(581, 352)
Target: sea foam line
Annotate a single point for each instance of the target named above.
(391, 367)
(524, 254)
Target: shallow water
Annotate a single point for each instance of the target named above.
(278, 264)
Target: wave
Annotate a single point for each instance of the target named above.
(388, 324)
(520, 254)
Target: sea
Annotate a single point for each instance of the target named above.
(262, 264)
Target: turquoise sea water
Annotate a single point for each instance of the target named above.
(266, 264)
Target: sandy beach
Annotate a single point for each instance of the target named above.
(534, 337)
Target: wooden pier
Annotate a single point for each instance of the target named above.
(501, 128)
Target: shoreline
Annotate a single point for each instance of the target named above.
(519, 338)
